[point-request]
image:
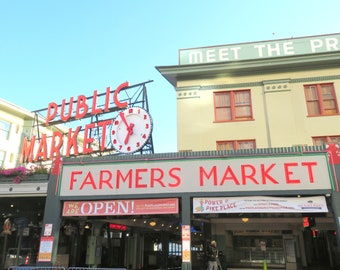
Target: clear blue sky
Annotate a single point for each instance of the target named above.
(51, 50)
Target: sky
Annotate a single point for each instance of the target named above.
(51, 50)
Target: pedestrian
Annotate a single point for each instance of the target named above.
(212, 256)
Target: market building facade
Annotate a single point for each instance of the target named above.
(257, 167)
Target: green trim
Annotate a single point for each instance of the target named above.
(250, 153)
(255, 84)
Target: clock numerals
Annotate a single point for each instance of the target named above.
(131, 130)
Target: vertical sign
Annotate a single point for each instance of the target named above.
(186, 243)
(45, 249)
(48, 229)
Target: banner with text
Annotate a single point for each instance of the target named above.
(259, 204)
(120, 207)
(272, 173)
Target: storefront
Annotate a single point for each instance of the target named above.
(160, 211)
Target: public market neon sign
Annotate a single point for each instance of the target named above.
(34, 150)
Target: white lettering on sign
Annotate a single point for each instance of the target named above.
(328, 44)
(276, 49)
(197, 175)
(265, 49)
(215, 55)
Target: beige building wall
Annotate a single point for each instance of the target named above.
(278, 104)
(21, 125)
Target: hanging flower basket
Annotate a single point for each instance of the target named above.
(18, 174)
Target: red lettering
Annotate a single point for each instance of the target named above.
(27, 150)
(212, 173)
(105, 180)
(154, 178)
(289, 173)
(120, 176)
(57, 142)
(82, 107)
(73, 178)
(250, 176)
(175, 177)
(103, 125)
(95, 110)
(42, 149)
(107, 99)
(87, 139)
(229, 175)
(265, 174)
(51, 112)
(115, 95)
(139, 178)
(88, 180)
(310, 170)
(72, 141)
(69, 114)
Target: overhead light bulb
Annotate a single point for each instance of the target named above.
(152, 223)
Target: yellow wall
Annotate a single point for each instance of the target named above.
(279, 110)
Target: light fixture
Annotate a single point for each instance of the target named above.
(87, 226)
(245, 219)
(152, 223)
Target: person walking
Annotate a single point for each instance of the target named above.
(212, 256)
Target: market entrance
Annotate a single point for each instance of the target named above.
(133, 242)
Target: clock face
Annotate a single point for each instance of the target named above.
(131, 129)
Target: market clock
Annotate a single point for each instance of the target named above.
(131, 130)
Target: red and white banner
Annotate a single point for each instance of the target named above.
(120, 207)
(300, 172)
(260, 204)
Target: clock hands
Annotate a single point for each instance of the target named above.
(129, 128)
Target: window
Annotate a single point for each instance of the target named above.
(2, 158)
(236, 145)
(232, 105)
(320, 99)
(325, 140)
(4, 129)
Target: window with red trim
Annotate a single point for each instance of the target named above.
(321, 99)
(232, 106)
(322, 140)
(235, 145)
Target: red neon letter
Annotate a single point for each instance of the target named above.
(51, 114)
(72, 141)
(57, 142)
(27, 150)
(103, 125)
(42, 150)
(95, 110)
(88, 140)
(64, 117)
(115, 96)
(82, 107)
